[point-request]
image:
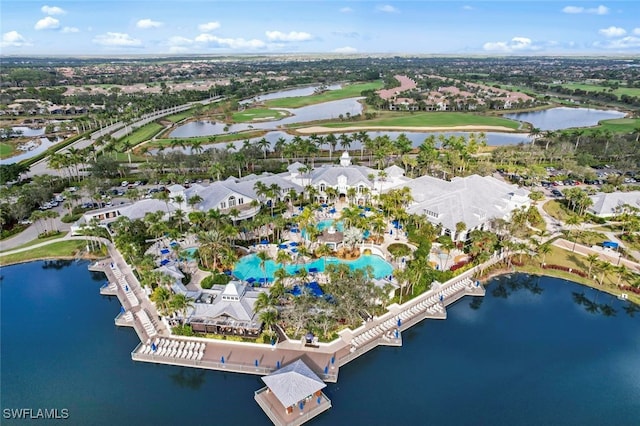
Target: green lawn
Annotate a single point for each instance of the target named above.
(5, 149)
(231, 137)
(59, 250)
(258, 114)
(349, 91)
(37, 241)
(429, 119)
(556, 210)
(620, 125)
(630, 91)
(141, 134)
(178, 117)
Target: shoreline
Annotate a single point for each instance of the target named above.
(465, 128)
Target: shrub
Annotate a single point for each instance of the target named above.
(183, 330)
(214, 278)
(70, 218)
(399, 250)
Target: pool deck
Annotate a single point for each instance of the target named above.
(325, 359)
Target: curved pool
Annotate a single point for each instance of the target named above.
(249, 266)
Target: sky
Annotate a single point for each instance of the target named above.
(223, 27)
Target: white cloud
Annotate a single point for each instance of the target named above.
(291, 36)
(346, 10)
(387, 8)
(516, 44)
(47, 23)
(612, 31)
(346, 49)
(209, 26)
(636, 31)
(627, 42)
(116, 40)
(230, 43)
(13, 39)
(148, 23)
(575, 10)
(69, 30)
(52, 10)
(467, 7)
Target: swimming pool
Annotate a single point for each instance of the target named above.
(191, 253)
(337, 224)
(249, 266)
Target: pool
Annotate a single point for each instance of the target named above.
(338, 225)
(191, 253)
(249, 266)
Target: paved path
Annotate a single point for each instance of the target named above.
(603, 254)
(48, 242)
(30, 234)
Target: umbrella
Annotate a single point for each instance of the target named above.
(126, 288)
(397, 333)
(278, 365)
(441, 298)
(300, 208)
(165, 251)
(264, 242)
(294, 250)
(294, 230)
(312, 270)
(332, 211)
(326, 369)
(301, 405)
(282, 246)
(250, 280)
(227, 272)
(122, 309)
(399, 322)
(262, 280)
(154, 347)
(164, 262)
(222, 360)
(333, 360)
(256, 362)
(293, 244)
(325, 205)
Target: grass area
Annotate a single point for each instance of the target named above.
(140, 134)
(6, 149)
(209, 139)
(619, 125)
(257, 114)
(60, 250)
(37, 241)
(349, 91)
(429, 119)
(561, 257)
(178, 117)
(555, 209)
(630, 91)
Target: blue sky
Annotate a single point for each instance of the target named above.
(147, 27)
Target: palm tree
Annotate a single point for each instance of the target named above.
(544, 250)
(263, 256)
(264, 146)
(574, 221)
(603, 268)
(592, 259)
(324, 251)
(161, 297)
(264, 302)
(181, 303)
(269, 318)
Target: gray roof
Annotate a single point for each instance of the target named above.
(138, 209)
(473, 199)
(607, 203)
(293, 383)
(172, 271)
(239, 310)
(354, 175)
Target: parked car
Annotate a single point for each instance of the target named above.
(556, 193)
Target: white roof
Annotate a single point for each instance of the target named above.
(172, 271)
(138, 209)
(293, 382)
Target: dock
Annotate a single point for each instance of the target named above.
(158, 345)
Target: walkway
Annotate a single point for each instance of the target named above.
(607, 256)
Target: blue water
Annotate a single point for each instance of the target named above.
(532, 352)
(324, 224)
(565, 118)
(249, 266)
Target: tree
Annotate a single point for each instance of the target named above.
(592, 259)
(574, 221)
(161, 297)
(544, 250)
(181, 303)
(264, 257)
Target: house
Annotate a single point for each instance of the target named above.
(473, 200)
(610, 204)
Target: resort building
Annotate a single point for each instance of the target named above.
(226, 310)
(613, 203)
(346, 182)
(473, 200)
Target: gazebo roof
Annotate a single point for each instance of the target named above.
(293, 382)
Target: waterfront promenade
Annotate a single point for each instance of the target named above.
(324, 359)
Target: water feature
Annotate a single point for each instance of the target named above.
(43, 145)
(292, 93)
(533, 351)
(322, 111)
(29, 132)
(564, 117)
(249, 266)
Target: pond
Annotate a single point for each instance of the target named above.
(293, 93)
(31, 149)
(322, 111)
(565, 118)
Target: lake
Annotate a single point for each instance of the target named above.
(533, 351)
(292, 93)
(564, 117)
